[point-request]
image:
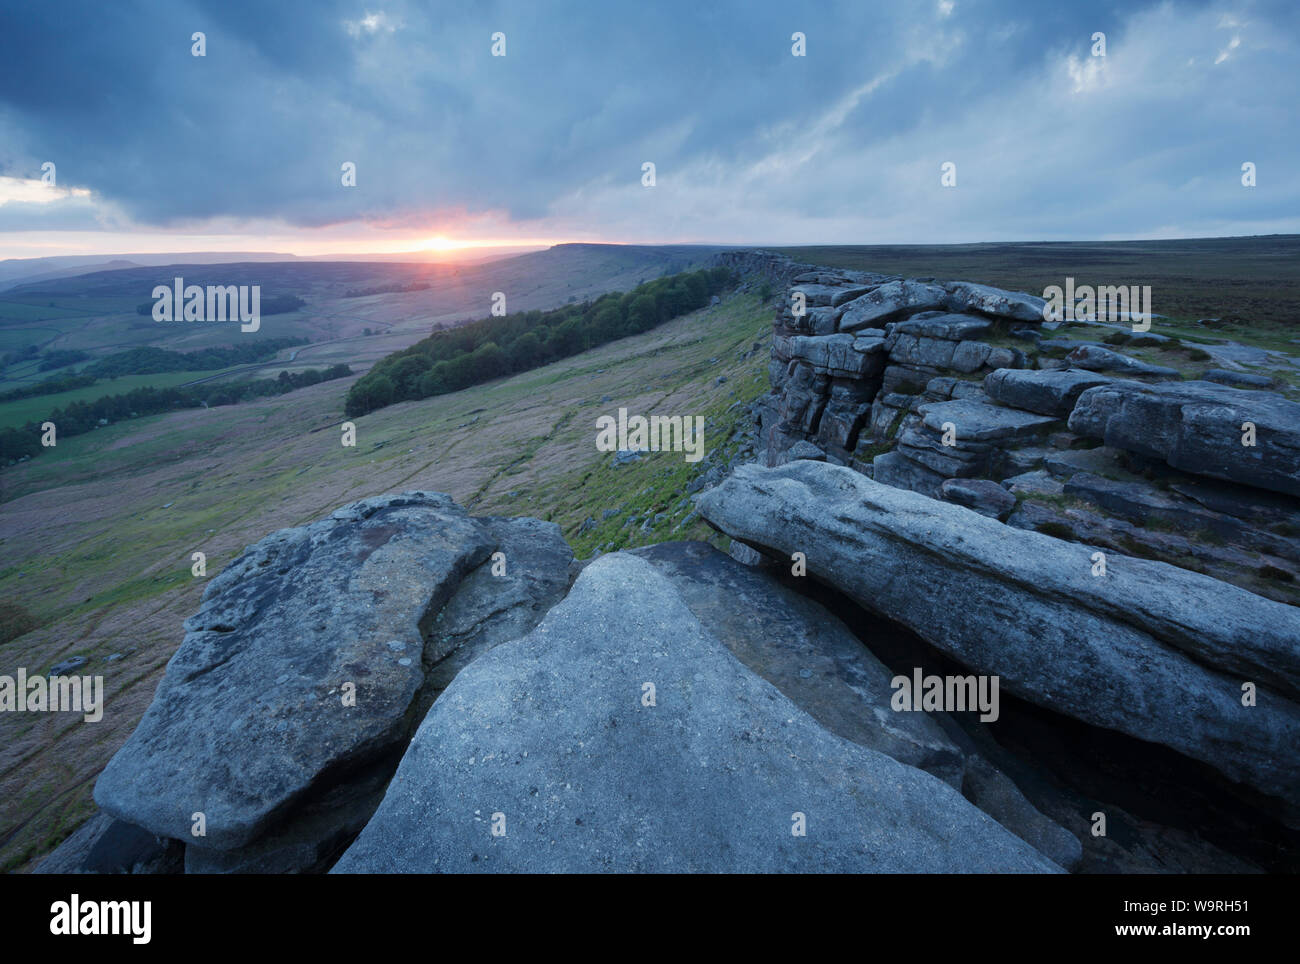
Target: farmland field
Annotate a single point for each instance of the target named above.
(24, 410)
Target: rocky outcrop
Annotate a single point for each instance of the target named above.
(843, 338)
(1147, 649)
(985, 497)
(620, 735)
(774, 268)
(534, 709)
(876, 366)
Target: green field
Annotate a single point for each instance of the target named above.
(43, 310)
(24, 410)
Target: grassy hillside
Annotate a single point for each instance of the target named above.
(97, 534)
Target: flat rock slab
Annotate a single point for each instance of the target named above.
(977, 421)
(831, 295)
(968, 296)
(841, 355)
(1238, 379)
(983, 495)
(1045, 392)
(896, 469)
(1149, 649)
(805, 652)
(889, 301)
(250, 711)
(1198, 427)
(1102, 460)
(549, 739)
(1099, 359)
(939, 324)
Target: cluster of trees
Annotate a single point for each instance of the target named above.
(59, 357)
(452, 359)
(49, 386)
(79, 417)
(19, 355)
(151, 361)
(396, 286)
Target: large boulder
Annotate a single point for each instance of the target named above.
(552, 753)
(309, 664)
(251, 710)
(1199, 427)
(813, 658)
(1151, 650)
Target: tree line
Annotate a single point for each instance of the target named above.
(452, 359)
(152, 361)
(77, 418)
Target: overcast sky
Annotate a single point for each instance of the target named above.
(159, 150)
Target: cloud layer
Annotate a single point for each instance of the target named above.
(750, 143)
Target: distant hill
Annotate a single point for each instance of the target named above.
(358, 310)
(335, 278)
(16, 271)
